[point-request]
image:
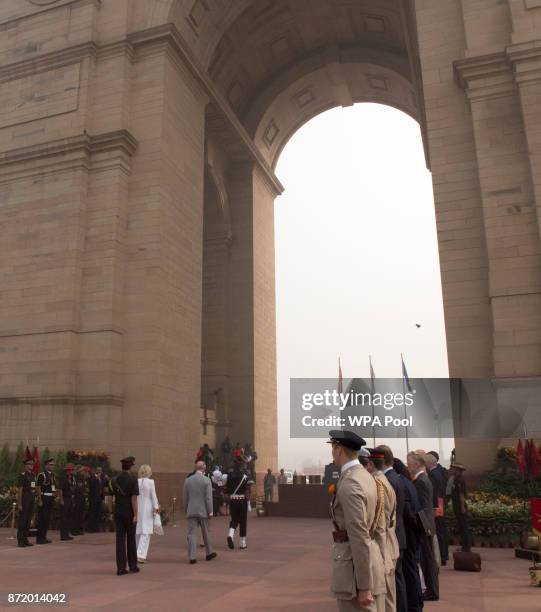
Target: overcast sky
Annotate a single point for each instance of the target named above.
(356, 258)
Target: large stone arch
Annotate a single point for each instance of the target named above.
(111, 110)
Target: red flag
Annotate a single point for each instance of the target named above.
(35, 457)
(340, 379)
(521, 458)
(27, 454)
(535, 505)
(535, 460)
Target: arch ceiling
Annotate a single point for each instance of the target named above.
(278, 63)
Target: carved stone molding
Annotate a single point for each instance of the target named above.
(487, 76)
(66, 153)
(42, 2)
(525, 59)
(63, 400)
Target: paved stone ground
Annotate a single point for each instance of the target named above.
(286, 567)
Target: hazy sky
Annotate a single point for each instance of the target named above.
(356, 257)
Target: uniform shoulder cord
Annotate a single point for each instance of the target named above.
(380, 507)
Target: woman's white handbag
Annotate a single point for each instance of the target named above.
(158, 529)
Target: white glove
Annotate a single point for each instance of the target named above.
(249, 506)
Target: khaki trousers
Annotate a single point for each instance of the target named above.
(390, 597)
(349, 605)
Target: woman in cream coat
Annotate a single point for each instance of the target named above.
(147, 506)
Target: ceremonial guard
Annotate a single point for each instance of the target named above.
(46, 491)
(79, 497)
(26, 489)
(95, 498)
(125, 489)
(386, 527)
(458, 498)
(358, 578)
(238, 495)
(66, 492)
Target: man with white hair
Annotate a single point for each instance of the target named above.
(423, 486)
(198, 508)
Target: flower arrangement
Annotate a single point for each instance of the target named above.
(91, 458)
(494, 519)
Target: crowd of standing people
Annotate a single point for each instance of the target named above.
(80, 491)
(389, 530)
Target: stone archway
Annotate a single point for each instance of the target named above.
(105, 130)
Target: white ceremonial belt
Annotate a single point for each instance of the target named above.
(238, 497)
(49, 494)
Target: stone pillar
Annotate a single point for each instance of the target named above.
(457, 198)
(510, 219)
(163, 297)
(252, 369)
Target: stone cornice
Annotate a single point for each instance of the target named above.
(64, 57)
(65, 153)
(486, 76)
(498, 74)
(63, 400)
(47, 61)
(49, 6)
(169, 35)
(525, 59)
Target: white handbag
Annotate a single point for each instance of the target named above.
(158, 529)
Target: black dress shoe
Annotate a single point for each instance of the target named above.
(22, 545)
(121, 572)
(230, 542)
(134, 570)
(192, 561)
(211, 556)
(27, 543)
(430, 597)
(42, 541)
(67, 538)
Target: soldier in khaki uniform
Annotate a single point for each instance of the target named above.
(358, 579)
(386, 527)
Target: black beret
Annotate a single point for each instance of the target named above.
(349, 439)
(128, 460)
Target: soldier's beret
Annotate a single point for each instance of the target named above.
(349, 439)
(374, 454)
(127, 461)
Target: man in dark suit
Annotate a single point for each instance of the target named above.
(398, 486)
(411, 555)
(423, 486)
(438, 478)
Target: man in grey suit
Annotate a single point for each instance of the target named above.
(198, 508)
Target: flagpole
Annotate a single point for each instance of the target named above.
(405, 407)
(372, 402)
